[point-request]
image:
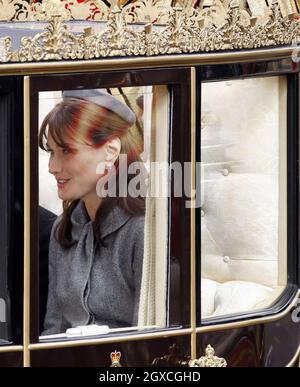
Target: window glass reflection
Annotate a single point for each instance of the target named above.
(98, 146)
(3, 321)
(243, 213)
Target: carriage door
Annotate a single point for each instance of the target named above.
(162, 102)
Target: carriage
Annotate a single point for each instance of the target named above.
(215, 89)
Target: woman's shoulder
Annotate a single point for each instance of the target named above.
(53, 238)
(134, 229)
(126, 224)
(138, 219)
(57, 221)
(137, 222)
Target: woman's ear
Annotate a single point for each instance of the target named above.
(113, 148)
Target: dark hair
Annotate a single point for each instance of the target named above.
(97, 125)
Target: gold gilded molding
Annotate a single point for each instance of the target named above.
(257, 7)
(147, 11)
(5, 49)
(288, 7)
(20, 10)
(136, 11)
(96, 10)
(222, 26)
(209, 360)
(43, 11)
(15, 10)
(55, 43)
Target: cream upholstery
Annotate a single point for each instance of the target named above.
(243, 232)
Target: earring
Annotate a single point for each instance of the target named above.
(108, 166)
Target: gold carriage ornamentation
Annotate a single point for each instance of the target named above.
(162, 29)
(209, 360)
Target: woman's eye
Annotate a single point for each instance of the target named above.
(66, 151)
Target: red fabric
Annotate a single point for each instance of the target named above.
(93, 8)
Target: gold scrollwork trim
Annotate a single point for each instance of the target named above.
(21, 10)
(186, 31)
(139, 11)
(125, 63)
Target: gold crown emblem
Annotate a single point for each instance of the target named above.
(115, 358)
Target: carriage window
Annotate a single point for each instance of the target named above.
(244, 202)
(98, 193)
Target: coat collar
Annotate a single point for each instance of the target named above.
(116, 218)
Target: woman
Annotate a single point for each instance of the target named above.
(96, 246)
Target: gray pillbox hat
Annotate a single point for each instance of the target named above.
(104, 99)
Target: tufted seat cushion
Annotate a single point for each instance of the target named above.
(233, 297)
(243, 229)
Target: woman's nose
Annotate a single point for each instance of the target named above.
(54, 165)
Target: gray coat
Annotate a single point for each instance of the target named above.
(92, 282)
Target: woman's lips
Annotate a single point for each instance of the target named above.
(61, 183)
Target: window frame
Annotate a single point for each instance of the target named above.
(238, 71)
(179, 82)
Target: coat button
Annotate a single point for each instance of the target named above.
(226, 259)
(225, 172)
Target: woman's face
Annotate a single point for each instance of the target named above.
(74, 168)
